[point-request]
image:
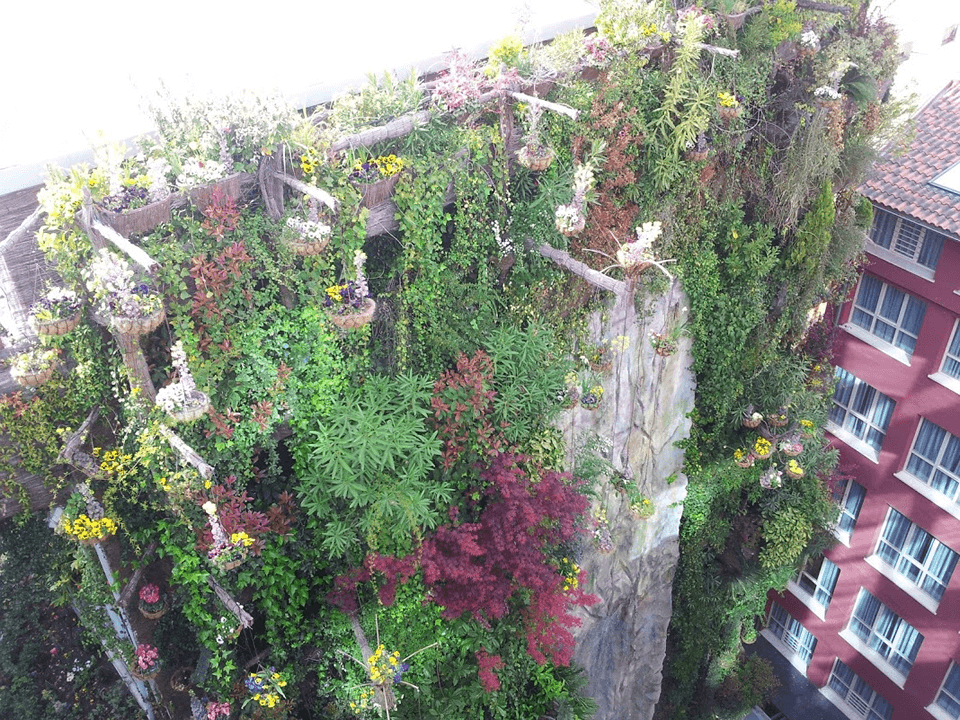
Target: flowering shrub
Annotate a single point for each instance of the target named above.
(84, 527)
(265, 688)
(57, 304)
(374, 169)
(488, 664)
(461, 85)
(183, 392)
(218, 709)
(385, 668)
(638, 252)
(197, 172)
(147, 657)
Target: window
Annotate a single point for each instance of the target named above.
(849, 495)
(791, 633)
(886, 633)
(951, 359)
(860, 410)
(935, 459)
(916, 554)
(888, 313)
(858, 695)
(948, 699)
(906, 238)
(818, 578)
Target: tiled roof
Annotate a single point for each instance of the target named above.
(902, 184)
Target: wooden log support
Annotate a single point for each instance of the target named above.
(715, 50)
(126, 595)
(314, 192)
(594, 277)
(29, 225)
(271, 189)
(554, 107)
(394, 129)
(186, 452)
(823, 7)
(71, 453)
(138, 255)
(243, 617)
(138, 372)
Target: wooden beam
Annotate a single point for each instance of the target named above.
(314, 192)
(555, 107)
(127, 593)
(594, 277)
(138, 255)
(243, 617)
(727, 52)
(29, 224)
(186, 452)
(394, 129)
(823, 7)
(71, 453)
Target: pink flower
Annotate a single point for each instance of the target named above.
(150, 594)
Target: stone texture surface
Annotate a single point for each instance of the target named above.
(622, 641)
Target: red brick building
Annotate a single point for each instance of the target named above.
(874, 624)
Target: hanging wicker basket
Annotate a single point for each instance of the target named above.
(536, 157)
(57, 327)
(138, 325)
(145, 674)
(202, 196)
(139, 220)
(90, 542)
(728, 113)
(796, 475)
(308, 247)
(378, 192)
(155, 614)
(194, 408)
(354, 319)
(32, 379)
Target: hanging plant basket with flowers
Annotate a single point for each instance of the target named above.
(762, 448)
(376, 178)
(306, 237)
(743, 458)
(591, 398)
(794, 470)
(728, 107)
(34, 367)
(152, 605)
(349, 306)
(535, 156)
(145, 663)
(751, 418)
(132, 195)
(56, 313)
(181, 399)
(779, 418)
(570, 220)
(131, 307)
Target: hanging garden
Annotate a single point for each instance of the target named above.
(325, 399)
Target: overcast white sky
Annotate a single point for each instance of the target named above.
(72, 69)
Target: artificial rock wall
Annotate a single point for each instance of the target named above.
(622, 641)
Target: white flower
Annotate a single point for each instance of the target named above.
(219, 639)
(308, 229)
(810, 39)
(825, 92)
(209, 507)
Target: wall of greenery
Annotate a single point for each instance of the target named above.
(376, 471)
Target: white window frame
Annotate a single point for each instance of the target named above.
(934, 707)
(951, 382)
(842, 502)
(869, 334)
(912, 587)
(893, 255)
(810, 598)
(874, 656)
(860, 707)
(790, 644)
(856, 442)
(943, 500)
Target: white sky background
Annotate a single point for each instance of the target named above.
(70, 69)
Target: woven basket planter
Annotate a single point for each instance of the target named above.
(749, 422)
(195, 408)
(765, 456)
(792, 450)
(536, 159)
(728, 113)
(202, 196)
(140, 220)
(306, 248)
(378, 192)
(144, 674)
(90, 542)
(746, 462)
(154, 615)
(33, 379)
(139, 325)
(352, 320)
(57, 327)
(697, 155)
(794, 475)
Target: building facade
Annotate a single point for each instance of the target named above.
(874, 623)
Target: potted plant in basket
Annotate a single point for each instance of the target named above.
(152, 604)
(728, 107)
(181, 399)
(376, 178)
(200, 176)
(34, 367)
(591, 396)
(145, 663)
(349, 305)
(84, 519)
(751, 418)
(535, 155)
(132, 194)
(130, 306)
(306, 237)
(570, 396)
(57, 312)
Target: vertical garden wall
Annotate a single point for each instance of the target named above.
(378, 410)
